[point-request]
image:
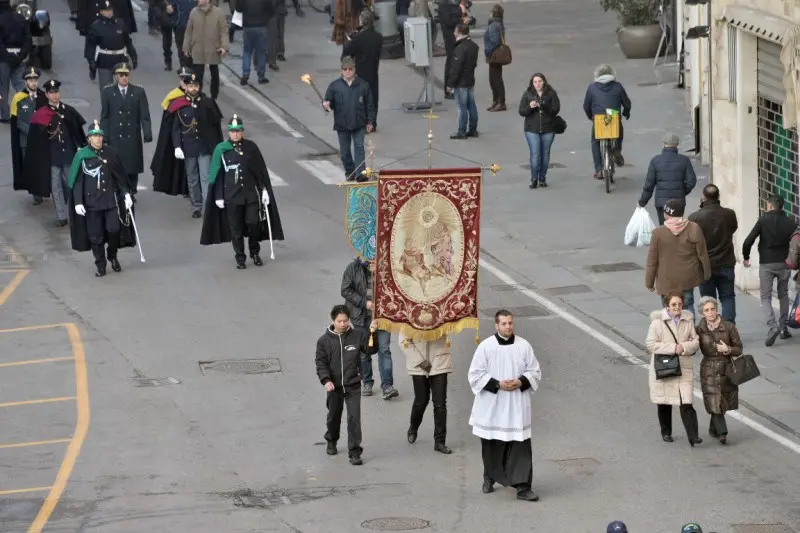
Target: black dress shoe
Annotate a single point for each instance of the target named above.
(115, 266)
(101, 271)
(196, 214)
(281, 57)
(474, 134)
(37, 200)
(785, 334)
(241, 266)
(723, 439)
(441, 448)
(667, 438)
(61, 223)
(168, 67)
(331, 449)
(488, 486)
(412, 437)
(458, 136)
(257, 260)
(692, 442)
(527, 495)
(534, 185)
(356, 460)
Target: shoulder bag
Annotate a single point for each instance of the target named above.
(502, 54)
(667, 365)
(742, 369)
(559, 125)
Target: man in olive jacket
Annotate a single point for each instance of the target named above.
(677, 260)
(206, 41)
(718, 224)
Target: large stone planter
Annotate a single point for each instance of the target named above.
(639, 42)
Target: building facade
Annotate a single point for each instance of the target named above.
(748, 128)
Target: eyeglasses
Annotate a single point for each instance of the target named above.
(347, 68)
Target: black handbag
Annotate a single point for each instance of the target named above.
(559, 125)
(667, 365)
(742, 369)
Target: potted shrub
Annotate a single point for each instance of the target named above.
(639, 31)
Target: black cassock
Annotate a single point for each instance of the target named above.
(89, 11)
(17, 155)
(216, 224)
(169, 174)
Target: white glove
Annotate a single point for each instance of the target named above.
(178, 153)
(220, 204)
(265, 197)
(128, 201)
(80, 210)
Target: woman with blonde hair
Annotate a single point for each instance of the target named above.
(719, 341)
(672, 332)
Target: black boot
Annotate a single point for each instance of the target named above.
(257, 260)
(115, 266)
(241, 266)
(168, 66)
(37, 200)
(101, 270)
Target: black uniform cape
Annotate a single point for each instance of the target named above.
(17, 157)
(78, 231)
(37, 155)
(169, 175)
(88, 13)
(216, 227)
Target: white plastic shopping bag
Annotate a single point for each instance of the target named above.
(640, 228)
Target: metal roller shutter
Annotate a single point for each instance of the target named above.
(770, 71)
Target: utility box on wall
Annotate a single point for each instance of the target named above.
(417, 32)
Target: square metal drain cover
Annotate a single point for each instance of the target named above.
(578, 462)
(569, 289)
(614, 267)
(156, 382)
(525, 311)
(241, 366)
(761, 528)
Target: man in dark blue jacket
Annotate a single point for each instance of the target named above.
(178, 12)
(606, 93)
(255, 45)
(670, 175)
(350, 99)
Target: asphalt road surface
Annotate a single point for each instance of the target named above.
(85, 447)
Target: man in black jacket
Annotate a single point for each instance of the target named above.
(15, 46)
(670, 174)
(365, 47)
(461, 82)
(339, 371)
(255, 19)
(774, 232)
(350, 99)
(450, 15)
(718, 224)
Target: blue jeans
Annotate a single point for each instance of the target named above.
(356, 139)
(254, 43)
(598, 161)
(539, 147)
(720, 286)
(383, 338)
(688, 301)
(467, 110)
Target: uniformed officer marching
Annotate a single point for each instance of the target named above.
(124, 118)
(23, 105)
(108, 43)
(15, 46)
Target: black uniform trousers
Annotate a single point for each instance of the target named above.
(200, 70)
(424, 388)
(133, 181)
(239, 217)
(99, 224)
(337, 399)
(449, 39)
(688, 416)
(166, 45)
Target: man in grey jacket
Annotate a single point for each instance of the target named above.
(670, 175)
(357, 294)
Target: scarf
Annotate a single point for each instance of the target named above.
(676, 224)
(712, 326)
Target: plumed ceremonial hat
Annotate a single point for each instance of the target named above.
(185, 71)
(617, 527)
(122, 68)
(31, 73)
(691, 528)
(190, 78)
(95, 129)
(235, 124)
(106, 5)
(52, 86)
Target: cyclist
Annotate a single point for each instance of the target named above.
(605, 92)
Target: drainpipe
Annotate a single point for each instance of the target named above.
(710, 96)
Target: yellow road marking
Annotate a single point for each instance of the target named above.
(8, 270)
(11, 287)
(21, 491)
(81, 430)
(35, 443)
(36, 361)
(35, 328)
(35, 402)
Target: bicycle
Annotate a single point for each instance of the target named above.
(606, 132)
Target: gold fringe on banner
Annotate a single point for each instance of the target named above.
(449, 329)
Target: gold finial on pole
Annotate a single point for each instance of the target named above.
(431, 117)
(494, 168)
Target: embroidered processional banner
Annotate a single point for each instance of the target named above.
(362, 218)
(427, 251)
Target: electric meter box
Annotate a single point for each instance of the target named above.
(417, 31)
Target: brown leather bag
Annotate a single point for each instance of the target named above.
(502, 54)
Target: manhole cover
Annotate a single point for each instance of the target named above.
(761, 528)
(569, 289)
(242, 366)
(509, 288)
(395, 524)
(156, 382)
(76, 102)
(614, 267)
(525, 311)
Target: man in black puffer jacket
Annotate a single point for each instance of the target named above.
(670, 175)
(338, 361)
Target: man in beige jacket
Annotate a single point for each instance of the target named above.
(206, 41)
(677, 260)
(428, 364)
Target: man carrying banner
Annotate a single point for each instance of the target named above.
(101, 198)
(23, 105)
(240, 200)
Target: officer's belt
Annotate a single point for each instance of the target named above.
(120, 52)
(14, 50)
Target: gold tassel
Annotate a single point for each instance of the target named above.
(477, 337)
(447, 341)
(405, 343)
(371, 334)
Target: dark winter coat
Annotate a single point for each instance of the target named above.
(718, 224)
(356, 282)
(365, 48)
(124, 120)
(352, 105)
(671, 176)
(15, 32)
(255, 13)
(183, 8)
(463, 64)
(774, 230)
(493, 37)
(540, 119)
(338, 356)
(719, 394)
(602, 96)
(89, 11)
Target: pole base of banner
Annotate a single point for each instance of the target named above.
(419, 106)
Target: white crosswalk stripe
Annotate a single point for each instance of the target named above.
(324, 171)
(276, 180)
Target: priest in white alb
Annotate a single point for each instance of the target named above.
(503, 375)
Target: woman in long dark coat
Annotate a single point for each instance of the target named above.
(719, 341)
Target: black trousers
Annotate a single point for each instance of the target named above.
(336, 401)
(688, 416)
(239, 217)
(133, 179)
(718, 427)
(103, 226)
(424, 388)
(200, 70)
(496, 84)
(166, 45)
(449, 45)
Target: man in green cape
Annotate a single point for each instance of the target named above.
(100, 203)
(240, 202)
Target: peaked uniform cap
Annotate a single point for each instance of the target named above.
(106, 4)
(52, 86)
(122, 68)
(184, 72)
(95, 129)
(31, 73)
(691, 528)
(617, 527)
(235, 124)
(190, 78)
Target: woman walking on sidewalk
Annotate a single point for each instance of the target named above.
(492, 39)
(540, 107)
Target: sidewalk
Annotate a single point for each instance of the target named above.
(566, 239)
